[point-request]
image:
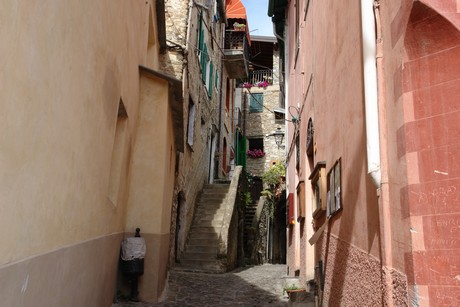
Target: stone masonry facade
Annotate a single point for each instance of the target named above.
(262, 125)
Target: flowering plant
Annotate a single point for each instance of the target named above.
(263, 84)
(246, 85)
(255, 153)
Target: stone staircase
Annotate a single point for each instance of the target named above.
(201, 250)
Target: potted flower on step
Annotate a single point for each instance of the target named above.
(295, 293)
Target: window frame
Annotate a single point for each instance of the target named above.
(334, 189)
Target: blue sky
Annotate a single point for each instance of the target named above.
(259, 22)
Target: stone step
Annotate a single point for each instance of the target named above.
(202, 249)
(214, 193)
(209, 210)
(202, 241)
(208, 217)
(210, 200)
(204, 229)
(199, 255)
(216, 186)
(203, 234)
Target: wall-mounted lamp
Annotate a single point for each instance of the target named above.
(279, 135)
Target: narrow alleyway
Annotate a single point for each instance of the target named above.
(250, 286)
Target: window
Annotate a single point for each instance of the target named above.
(216, 81)
(227, 95)
(204, 62)
(319, 187)
(256, 103)
(224, 158)
(301, 200)
(256, 143)
(334, 195)
(279, 115)
(200, 36)
(191, 122)
(209, 78)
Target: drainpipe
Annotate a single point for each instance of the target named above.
(374, 91)
(370, 91)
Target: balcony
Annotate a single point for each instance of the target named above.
(255, 77)
(236, 54)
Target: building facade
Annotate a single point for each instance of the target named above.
(372, 182)
(91, 131)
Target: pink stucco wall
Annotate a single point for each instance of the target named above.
(330, 37)
(429, 142)
(398, 243)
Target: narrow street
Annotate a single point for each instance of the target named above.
(251, 286)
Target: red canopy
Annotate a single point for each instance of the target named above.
(235, 9)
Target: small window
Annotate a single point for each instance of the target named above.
(334, 194)
(279, 115)
(256, 103)
(297, 31)
(256, 143)
(319, 188)
(301, 200)
(191, 122)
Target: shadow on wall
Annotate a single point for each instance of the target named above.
(346, 268)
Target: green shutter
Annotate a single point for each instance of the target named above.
(204, 56)
(241, 150)
(211, 69)
(256, 102)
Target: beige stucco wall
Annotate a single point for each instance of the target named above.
(66, 66)
(152, 183)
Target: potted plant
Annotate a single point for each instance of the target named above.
(295, 292)
(239, 26)
(255, 153)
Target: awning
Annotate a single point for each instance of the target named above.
(235, 9)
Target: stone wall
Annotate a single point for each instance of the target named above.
(181, 59)
(260, 125)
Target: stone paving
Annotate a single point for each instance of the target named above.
(250, 286)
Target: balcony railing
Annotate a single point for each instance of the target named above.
(261, 75)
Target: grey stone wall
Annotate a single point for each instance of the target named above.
(262, 125)
(181, 60)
